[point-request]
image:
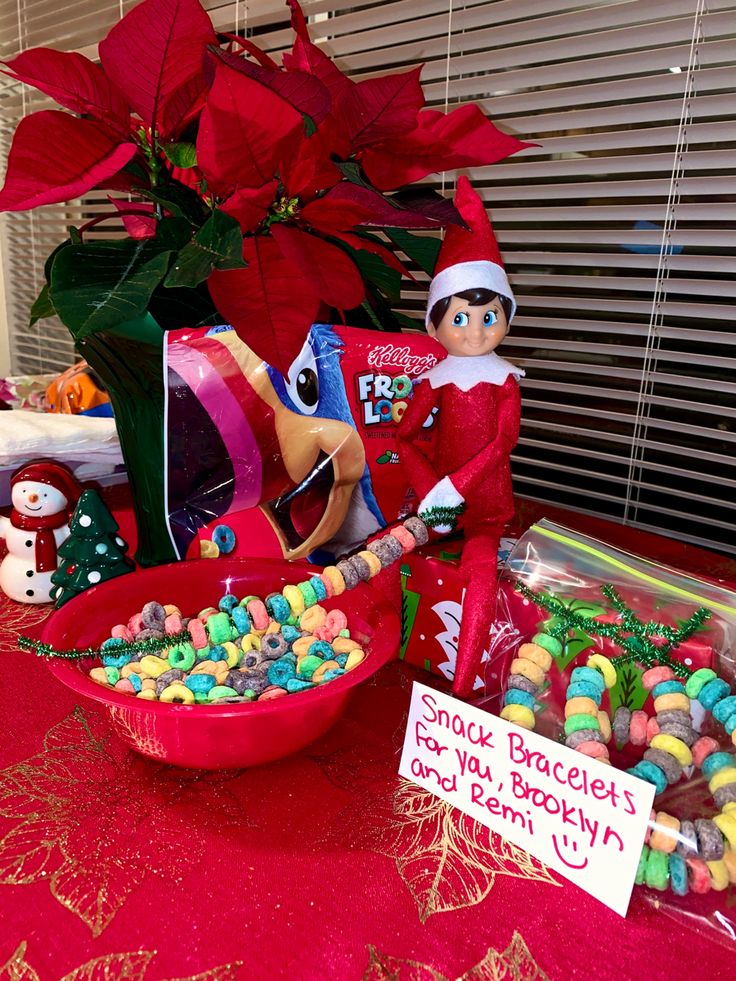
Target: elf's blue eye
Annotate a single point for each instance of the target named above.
(489, 318)
(460, 320)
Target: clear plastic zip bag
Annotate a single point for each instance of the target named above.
(596, 598)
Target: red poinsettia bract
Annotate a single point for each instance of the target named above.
(299, 155)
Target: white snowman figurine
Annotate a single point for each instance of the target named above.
(43, 494)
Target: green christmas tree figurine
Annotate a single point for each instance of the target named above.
(92, 553)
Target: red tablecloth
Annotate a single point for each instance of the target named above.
(323, 866)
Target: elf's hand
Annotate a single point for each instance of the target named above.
(441, 507)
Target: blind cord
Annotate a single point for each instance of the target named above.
(656, 317)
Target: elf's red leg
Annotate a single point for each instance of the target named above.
(478, 569)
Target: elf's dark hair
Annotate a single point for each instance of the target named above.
(475, 297)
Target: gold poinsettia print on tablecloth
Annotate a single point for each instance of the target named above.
(18, 618)
(446, 860)
(67, 806)
(110, 967)
(513, 964)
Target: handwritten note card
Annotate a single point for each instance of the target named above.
(580, 817)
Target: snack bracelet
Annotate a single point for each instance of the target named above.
(251, 613)
(685, 855)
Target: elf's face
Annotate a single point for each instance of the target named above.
(468, 331)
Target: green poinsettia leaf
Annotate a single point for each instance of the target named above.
(422, 249)
(181, 201)
(217, 245)
(173, 234)
(407, 323)
(50, 261)
(185, 307)
(99, 285)
(376, 272)
(42, 306)
(352, 172)
(182, 155)
(375, 313)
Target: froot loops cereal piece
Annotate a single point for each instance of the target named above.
(675, 747)
(258, 614)
(600, 663)
(277, 607)
(307, 591)
(581, 706)
(121, 631)
(349, 573)
(418, 529)
(652, 729)
(638, 728)
(362, 568)
(697, 681)
(295, 598)
(593, 749)
(405, 538)
(197, 633)
(520, 715)
(388, 549)
(224, 537)
(536, 653)
(182, 656)
(529, 669)
(332, 573)
(313, 618)
(372, 561)
(177, 693)
(320, 590)
(667, 764)
(336, 621)
(208, 549)
(621, 721)
(664, 835)
(549, 643)
(655, 676)
(605, 723)
(355, 657)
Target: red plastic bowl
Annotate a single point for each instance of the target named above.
(215, 736)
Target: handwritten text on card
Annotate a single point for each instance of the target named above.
(577, 815)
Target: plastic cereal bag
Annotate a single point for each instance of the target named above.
(634, 663)
(301, 464)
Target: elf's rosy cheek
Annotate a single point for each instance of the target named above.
(573, 847)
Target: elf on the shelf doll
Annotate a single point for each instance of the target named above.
(476, 396)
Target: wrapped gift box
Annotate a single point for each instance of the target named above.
(432, 594)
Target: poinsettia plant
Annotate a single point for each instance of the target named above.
(253, 191)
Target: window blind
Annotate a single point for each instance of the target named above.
(617, 229)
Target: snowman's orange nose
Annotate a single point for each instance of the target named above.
(33, 498)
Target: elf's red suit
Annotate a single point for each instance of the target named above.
(477, 426)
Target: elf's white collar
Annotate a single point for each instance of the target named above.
(467, 372)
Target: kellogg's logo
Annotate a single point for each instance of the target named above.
(401, 358)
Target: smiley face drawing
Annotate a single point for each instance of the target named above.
(573, 846)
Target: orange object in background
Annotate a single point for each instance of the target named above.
(77, 390)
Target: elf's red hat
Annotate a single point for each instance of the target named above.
(469, 259)
(53, 473)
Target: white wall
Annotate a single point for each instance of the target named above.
(4, 332)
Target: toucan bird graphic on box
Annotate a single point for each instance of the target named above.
(240, 435)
